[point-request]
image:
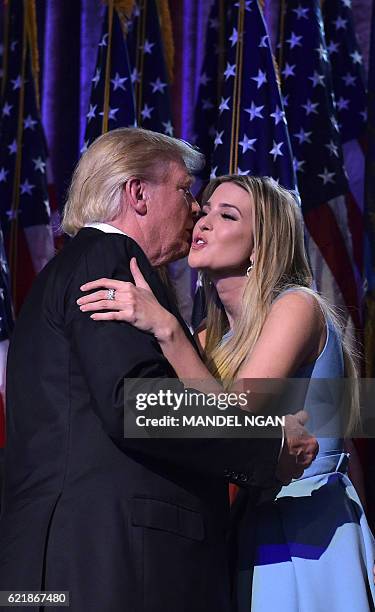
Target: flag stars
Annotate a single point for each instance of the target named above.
(12, 215)
(13, 45)
(207, 104)
(84, 146)
(146, 112)
(317, 79)
(242, 172)
(254, 111)
(334, 123)
(276, 150)
(26, 187)
(218, 138)
(3, 175)
(294, 40)
(135, 76)
(301, 12)
(6, 109)
(247, 143)
(158, 85)
(224, 105)
(342, 104)
(111, 114)
(214, 23)
(333, 148)
(204, 79)
(234, 37)
(326, 176)
(147, 47)
(47, 207)
(298, 165)
(340, 23)
(260, 79)
(168, 128)
(278, 115)
(230, 71)
(303, 136)
(213, 172)
(39, 164)
(289, 70)
(347, 3)
(17, 82)
(92, 112)
(29, 123)
(103, 42)
(119, 82)
(349, 79)
(333, 47)
(322, 53)
(310, 107)
(264, 42)
(356, 57)
(96, 78)
(12, 147)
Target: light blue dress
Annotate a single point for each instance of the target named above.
(314, 551)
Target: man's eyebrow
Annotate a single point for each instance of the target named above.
(223, 205)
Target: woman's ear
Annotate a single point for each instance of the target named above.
(134, 195)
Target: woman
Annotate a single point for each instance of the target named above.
(314, 550)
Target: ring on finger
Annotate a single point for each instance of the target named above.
(111, 294)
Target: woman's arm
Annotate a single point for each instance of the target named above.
(137, 305)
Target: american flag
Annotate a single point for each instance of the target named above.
(247, 128)
(112, 98)
(370, 214)
(315, 135)
(210, 80)
(150, 47)
(251, 131)
(24, 208)
(350, 94)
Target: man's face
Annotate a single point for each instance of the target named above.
(171, 209)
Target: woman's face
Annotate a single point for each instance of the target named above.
(223, 239)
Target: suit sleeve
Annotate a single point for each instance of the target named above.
(110, 351)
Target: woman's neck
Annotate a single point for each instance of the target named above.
(230, 291)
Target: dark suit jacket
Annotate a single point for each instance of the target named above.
(125, 525)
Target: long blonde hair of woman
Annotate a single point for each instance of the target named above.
(280, 263)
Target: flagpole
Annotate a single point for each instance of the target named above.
(107, 70)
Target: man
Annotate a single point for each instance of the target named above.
(122, 524)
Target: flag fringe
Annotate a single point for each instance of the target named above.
(123, 6)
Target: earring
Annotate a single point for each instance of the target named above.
(249, 268)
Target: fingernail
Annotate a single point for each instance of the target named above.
(79, 300)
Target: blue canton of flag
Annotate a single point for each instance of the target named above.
(149, 69)
(112, 78)
(208, 99)
(310, 104)
(25, 210)
(347, 68)
(251, 135)
(350, 94)
(311, 112)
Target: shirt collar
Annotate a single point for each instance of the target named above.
(105, 227)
